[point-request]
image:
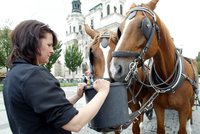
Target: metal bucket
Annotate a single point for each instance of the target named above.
(114, 111)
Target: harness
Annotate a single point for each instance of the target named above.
(177, 77)
(148, 29)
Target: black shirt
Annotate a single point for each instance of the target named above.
(34, 101)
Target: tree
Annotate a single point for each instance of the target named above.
(54, 57)
(5, 45)
(73, 57)
(198, 61)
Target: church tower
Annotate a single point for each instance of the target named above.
(74, 34)
(75, 20)
(76, 6)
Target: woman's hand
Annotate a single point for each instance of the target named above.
(80, 88)
(101, 85)
(79, 93)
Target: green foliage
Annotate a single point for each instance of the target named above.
(54, 57)
(198, 61)
(73, 57)
(68, 84)
(5, 45)
(198, 67)
(1, 87)
(61, 84)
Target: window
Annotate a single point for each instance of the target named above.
(74, 29)
(115, 9)
(86, 52)
(108, 9)
(80, 29)
(92, 24)
(121, 9)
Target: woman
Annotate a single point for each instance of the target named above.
(34, 101)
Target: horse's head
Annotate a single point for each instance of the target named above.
(138, 41)
(100, 51)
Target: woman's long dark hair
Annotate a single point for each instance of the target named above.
(25, 40)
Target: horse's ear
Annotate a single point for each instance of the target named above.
(132, 6)
(152, 4)
(114, 37)
(91, 32)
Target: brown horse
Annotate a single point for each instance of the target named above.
(100, 55)
(100, 51)
(144, 36)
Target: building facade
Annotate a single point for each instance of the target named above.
(108, 14)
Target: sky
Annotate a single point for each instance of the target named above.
(180, 16)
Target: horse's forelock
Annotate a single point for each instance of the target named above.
(95, 40)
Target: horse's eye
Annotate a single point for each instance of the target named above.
(118, 33)
(91, 57)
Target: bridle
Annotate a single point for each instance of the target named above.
(148, 28)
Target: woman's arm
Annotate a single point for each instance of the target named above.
(78, 94)
(89, 110)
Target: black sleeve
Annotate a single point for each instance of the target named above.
(43, 93)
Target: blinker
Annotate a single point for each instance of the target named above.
(146, 27)
(104, 42)
(132, 15)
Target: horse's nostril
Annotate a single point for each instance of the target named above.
(118, 74)
(119, 69)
